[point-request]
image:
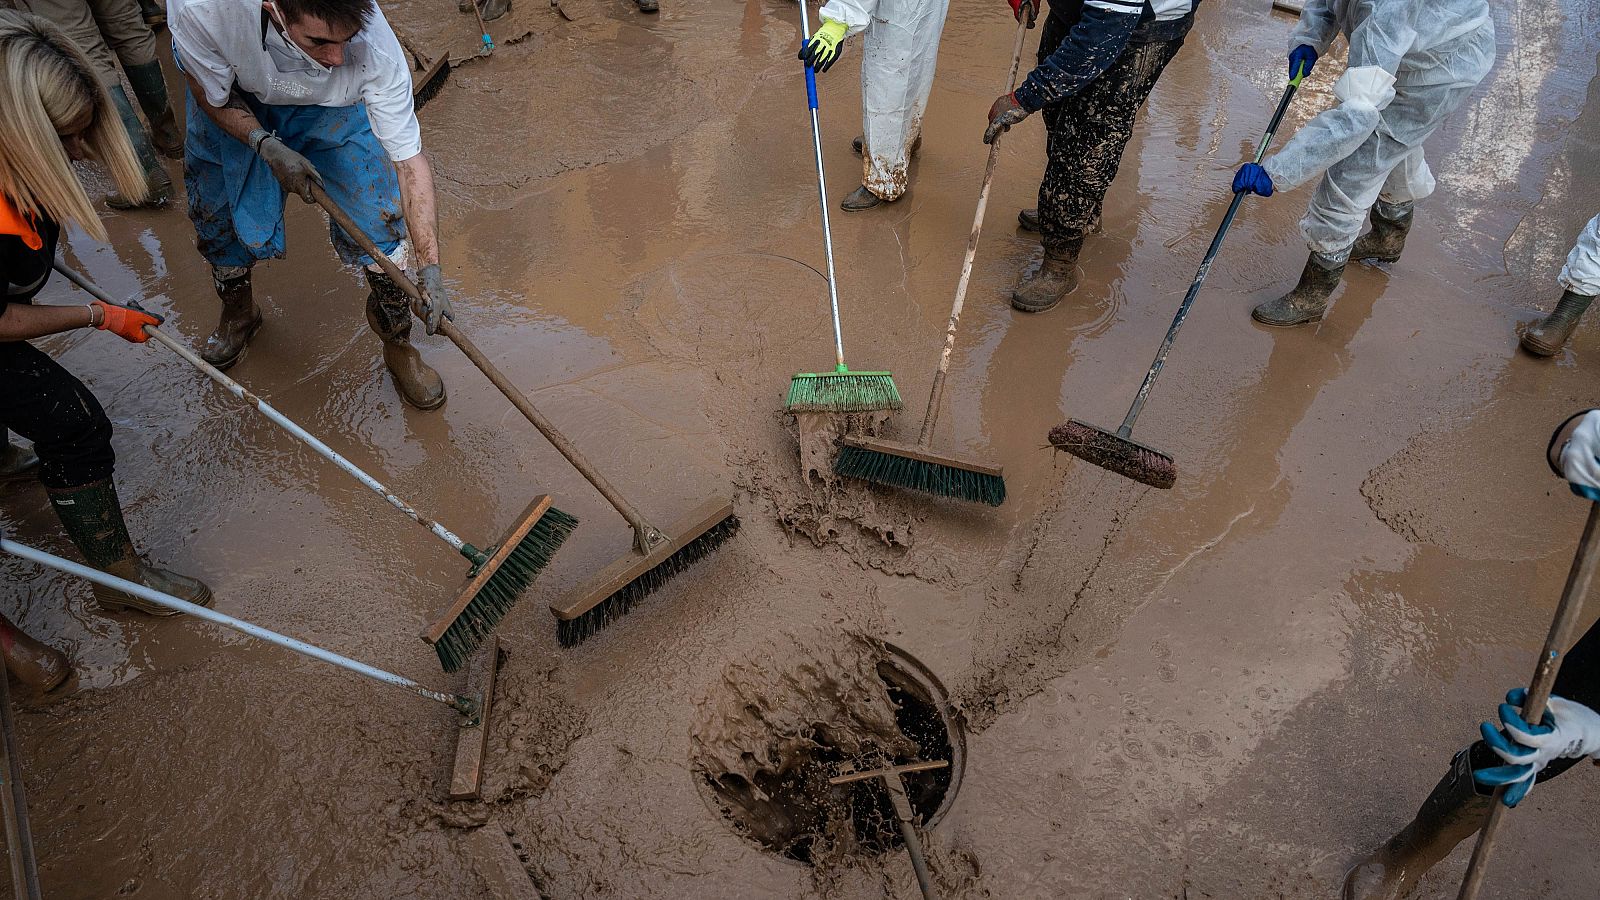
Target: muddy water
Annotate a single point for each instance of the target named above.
(1227, 690)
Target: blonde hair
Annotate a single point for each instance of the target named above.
(48, 89)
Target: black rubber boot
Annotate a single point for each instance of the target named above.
(1550, 335)
(1451, 814)
(1387, 237)
(1307, 302)
(240, 320)
(150, 87)
(17, 464)
(93, 519)
(859, 199)
(156, 178)
(389, 314)
(1056, 277)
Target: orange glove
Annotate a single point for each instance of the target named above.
(125, 321)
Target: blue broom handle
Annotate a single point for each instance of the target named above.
(328, 453)
(462, 704)
(822, 189)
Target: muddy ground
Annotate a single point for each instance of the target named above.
(1227, 690)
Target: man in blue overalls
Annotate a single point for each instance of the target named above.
(288, 94)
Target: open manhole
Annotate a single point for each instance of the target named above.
(766, 745)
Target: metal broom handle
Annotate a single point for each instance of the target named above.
(822, 189)
(1205, 267)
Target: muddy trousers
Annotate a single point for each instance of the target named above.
(46, 404)
(108, 32)
(1086, 133)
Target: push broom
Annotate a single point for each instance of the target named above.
(839, 391)
(916, 466)
(1117, 451)
(656, 556)
(497, 578)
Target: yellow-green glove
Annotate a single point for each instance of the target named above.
(823, 49)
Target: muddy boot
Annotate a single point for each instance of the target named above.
(1028, 219)
(1451, 814)
(158, 183)
(17, 464)
(1056, 277)
(648, 6)
(1309, 299)
(1550, 335)
(151, 88)
(93, 519)
(860, 143)
(153, 14)
(389, 314)
(859, 199)
(241, 319)
(1383, 243)
(34, 664)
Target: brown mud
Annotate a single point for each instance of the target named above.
(1230, 689)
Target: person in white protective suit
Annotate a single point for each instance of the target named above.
(1580, 282)
(898, 55)
(1412, 62)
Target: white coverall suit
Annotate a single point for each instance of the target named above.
(1412, 62)
(898, 54)
(1581, 274)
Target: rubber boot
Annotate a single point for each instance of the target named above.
(156, 179)
(34, 664)
(1307, 302)
(16, 463)
(1550, 335)
(241, 319)
(1028, 219)
(1451, 814)
(1056, 277)
(389, 314)
(150, 87)
(859, 199)
(1390, 223)
(92, 516)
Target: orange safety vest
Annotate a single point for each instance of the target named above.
(15, 223)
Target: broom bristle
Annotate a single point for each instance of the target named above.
(842, 392)
(500, 591)
(572, 632)
(433, 82)
(947, 479)
(1114, 453)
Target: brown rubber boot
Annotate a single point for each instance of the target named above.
(17, 464)
(1451, 814)
(1388, 235)
(35, 665)
(1550, 335)
(92, 516)
(240, 320)
(1056, 277)
(389, 314)
(1307, 302)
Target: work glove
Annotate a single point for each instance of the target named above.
(124, 321)
(1569, 730)
(1252, 179)
(435, 300)
(823, 50)
(1004, 113)
(293, 171)
(1301, 60)
(1032, 7)
(1579, 457)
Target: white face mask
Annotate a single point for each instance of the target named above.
(301, 60)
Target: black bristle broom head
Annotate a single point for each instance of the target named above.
(1115, 453)
(623, 584)
(919, 469)
(498, 583)
(430, 82)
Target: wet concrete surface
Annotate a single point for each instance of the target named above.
(1232, 689)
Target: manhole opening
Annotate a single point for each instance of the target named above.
(794, 812)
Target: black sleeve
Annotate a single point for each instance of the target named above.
(24, 270)
(1095, 42)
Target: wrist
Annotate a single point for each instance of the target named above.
(257, 137)
(97, 316)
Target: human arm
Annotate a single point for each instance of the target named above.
(420, 206)
(1093, 44)
(1317, 28)
(24, 321)
(1568, 730)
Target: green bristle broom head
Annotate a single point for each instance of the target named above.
(947, 479)
(842, 391)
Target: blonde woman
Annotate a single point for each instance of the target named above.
(53, 110)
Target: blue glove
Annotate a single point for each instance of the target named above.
(1568, 730)
(1252, 179)
(1301, 60)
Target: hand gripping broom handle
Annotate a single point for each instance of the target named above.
(1556, 643)
(822, 190)
(645, 536)
(1205, 267)
(238, 390)
(936, 395)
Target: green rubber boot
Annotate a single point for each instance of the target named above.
(1307, 302)
(1550, 335)
(92, 516)
(150, 86)
(1056, 277)
(157, 181)
(1451, 814)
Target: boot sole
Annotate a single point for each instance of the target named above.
(1020, 306)
(443, 395)
(1305, 320)
(159, 612)
(1534, 348)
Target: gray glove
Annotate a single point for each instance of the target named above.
(435, 299)
(293, 171)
